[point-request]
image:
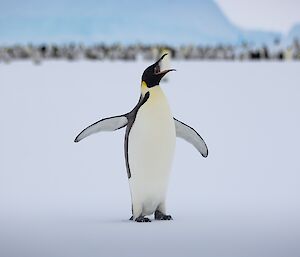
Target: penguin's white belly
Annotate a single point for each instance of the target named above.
(151, 145)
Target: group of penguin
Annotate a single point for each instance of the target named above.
(148, 125)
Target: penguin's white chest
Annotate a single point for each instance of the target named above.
(151, 145)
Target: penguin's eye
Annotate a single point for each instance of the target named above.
(156, 69)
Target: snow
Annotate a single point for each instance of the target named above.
(59, 199)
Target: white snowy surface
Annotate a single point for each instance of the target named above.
(61, 199)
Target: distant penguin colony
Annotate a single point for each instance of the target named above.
(149, 146)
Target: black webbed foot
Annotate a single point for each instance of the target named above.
(142, 219)
(158, 215)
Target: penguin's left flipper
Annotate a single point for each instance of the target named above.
(107, 124)
(190, 135)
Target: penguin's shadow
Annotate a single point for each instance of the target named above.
(99, 221)
(91, 220)
(96, 220)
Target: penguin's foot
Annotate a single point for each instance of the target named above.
(158, 215)
(131, 218)
(142, 219)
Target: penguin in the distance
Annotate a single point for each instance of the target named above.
(151, 132)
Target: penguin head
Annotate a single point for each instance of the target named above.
(152, 75)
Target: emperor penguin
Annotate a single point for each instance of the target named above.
(150, 139)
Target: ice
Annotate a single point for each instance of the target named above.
(59, 199)
(124, 21)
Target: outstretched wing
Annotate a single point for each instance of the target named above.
(190, 135)
(107, 124)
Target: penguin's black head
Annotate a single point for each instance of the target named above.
(152, 75)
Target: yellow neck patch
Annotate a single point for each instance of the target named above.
(144, 88)
(155, 92)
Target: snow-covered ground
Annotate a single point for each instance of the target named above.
(60, 199)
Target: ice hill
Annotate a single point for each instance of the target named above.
(293, 34)
(164, 21)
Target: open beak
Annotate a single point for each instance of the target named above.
(157, 70)
(164, 72)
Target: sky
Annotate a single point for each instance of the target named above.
(275, 15)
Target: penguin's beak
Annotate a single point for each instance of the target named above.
(164, 72)
(157, 70)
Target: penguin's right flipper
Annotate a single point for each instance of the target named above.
(107, 124)
(190, 135)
